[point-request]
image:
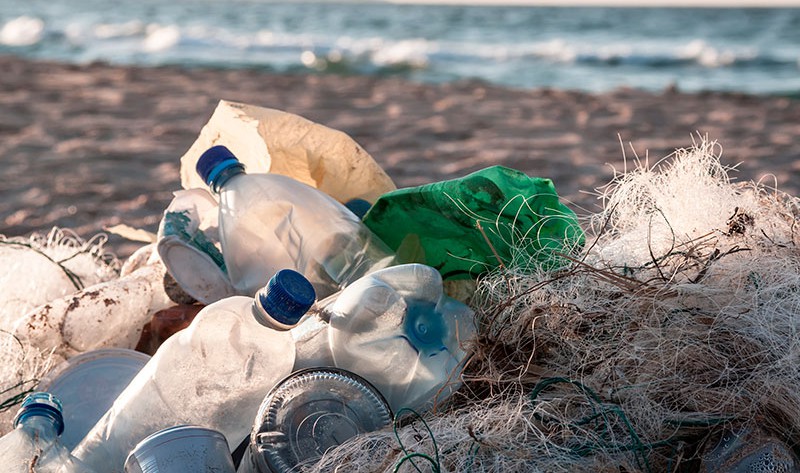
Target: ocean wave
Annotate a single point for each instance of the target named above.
(214, 45)
(22, 31)
(696, 52)
(518, 47)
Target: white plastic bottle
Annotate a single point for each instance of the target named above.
(269, 222)
(213, 373)
(397, 329)
(33, 445)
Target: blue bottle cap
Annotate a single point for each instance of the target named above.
(215, 160)
(287, 297)
(360, 207)
(41, 404)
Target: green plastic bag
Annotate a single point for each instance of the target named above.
(467, 226)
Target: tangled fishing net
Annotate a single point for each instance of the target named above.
(38, 269)
(676, 322)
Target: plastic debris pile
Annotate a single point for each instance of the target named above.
(296, 312)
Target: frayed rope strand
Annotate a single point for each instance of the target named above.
(601, 410)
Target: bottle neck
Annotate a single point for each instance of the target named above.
(224, 176)
(263, 318)
(42, 427)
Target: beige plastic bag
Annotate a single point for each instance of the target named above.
(272, 141)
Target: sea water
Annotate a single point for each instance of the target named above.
(593, 49)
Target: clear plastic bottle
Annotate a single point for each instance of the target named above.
(34, 444)
(181, 449)
(269, 222)
(394, 327)
(213, 373)
(397, 329)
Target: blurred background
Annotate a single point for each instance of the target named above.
(596, 49)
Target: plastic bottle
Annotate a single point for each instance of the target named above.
(268, 222)
(71, 325)
(397, 329)
(34, 444)
(213, 373)
(308, 413)
(181, 449)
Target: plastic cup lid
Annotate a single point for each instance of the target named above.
(311, 411)
(88, 384)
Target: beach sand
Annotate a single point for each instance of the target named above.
(87, 147)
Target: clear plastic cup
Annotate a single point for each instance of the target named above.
(181, 449)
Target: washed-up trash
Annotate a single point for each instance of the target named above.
(188, 241)
(749, 450)
(268, 222)
(214, 373)
(181, 449)
(308, 413)
(276, 142)
(164, 324)
(398, 330)
(87, 385)
(42, 268)
(34, 445)
(107, 314)
(464, 227)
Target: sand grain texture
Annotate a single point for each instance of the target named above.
(86, 147)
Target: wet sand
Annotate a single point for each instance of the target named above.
(87, 147)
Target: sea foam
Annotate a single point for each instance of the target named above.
(22, 31)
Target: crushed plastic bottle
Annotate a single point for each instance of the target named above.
(308, 413)
(107, 314)
(188, 237)
(164, 324)
(467, 226)
(181, 449)
(397, 329)
(34, 444)
(268, 222)
(213, 373)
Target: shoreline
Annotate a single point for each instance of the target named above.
(90, 146)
